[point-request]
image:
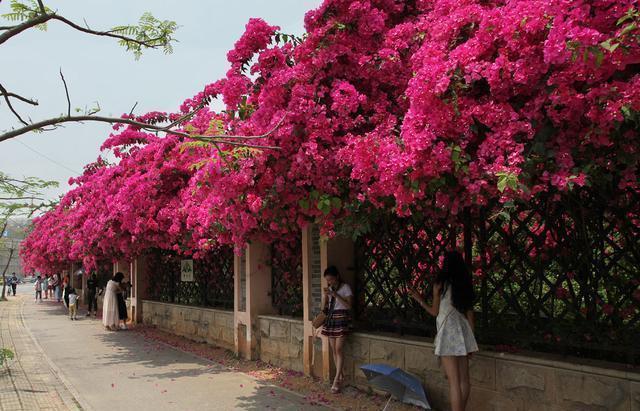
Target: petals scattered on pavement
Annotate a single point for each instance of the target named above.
(313, 392)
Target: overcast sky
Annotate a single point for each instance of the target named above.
(98, 70)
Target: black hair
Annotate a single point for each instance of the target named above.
(456, 274)
(332, 270)
(118, 277)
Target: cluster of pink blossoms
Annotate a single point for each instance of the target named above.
(402, 105)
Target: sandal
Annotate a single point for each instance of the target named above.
(336, 387)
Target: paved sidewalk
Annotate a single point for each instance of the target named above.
(120, 370)
(28, 382)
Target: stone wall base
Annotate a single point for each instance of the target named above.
(198, 324)
(281, 342)
(502, 381)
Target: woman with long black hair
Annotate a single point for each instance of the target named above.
(453, 299)
(337, 300)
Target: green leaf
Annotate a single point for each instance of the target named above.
(609, 45)
(507, 179)
(336, 203)
(599, 56)
(324, 205)
(628, 28)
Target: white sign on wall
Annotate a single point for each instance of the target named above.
(186, 270)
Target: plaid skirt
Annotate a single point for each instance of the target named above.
(338, 324)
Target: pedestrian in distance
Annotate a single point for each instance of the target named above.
(122, 304)
(72, 298)
(14, 283)
(65, 295)
(55, 285)
(38, 287)
(452, 305)
(92, 295)
(337, 300)
(45, 286)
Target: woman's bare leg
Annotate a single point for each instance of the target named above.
(450, 365)
(332, 347)
(465, 385)
(339, 358)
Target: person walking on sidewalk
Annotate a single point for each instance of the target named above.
(73, 303)
(38, 287)
(65, 296)
(14, 283)
(92, 295)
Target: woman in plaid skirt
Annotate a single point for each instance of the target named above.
(337, 301)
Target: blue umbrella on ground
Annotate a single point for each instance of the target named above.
(397, 382)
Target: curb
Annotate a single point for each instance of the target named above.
(76, 399)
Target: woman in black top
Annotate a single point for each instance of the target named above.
(122, 305)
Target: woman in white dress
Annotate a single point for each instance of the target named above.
(110, 318)
(453, 298)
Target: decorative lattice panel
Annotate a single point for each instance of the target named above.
(286, 276)
(560, 276)
(212, 285)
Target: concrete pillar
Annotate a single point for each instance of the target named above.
(317, 255)
(313, 349)
(252, 285)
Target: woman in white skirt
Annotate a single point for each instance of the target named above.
(453, 298)
(110, 317)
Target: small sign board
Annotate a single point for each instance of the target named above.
(186, 270)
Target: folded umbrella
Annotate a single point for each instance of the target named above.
(397, 382)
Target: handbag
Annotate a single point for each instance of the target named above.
(319, 320)
(323, 315)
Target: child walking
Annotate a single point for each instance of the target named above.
(453, 308)
(73, 303)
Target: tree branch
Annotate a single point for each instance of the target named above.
(6, 267)
(18, 97)
(12, 31)
(15, 30)
(133, 108)
(42, 8)
(5, 94)
(145, 43)
(66, 90)
(217, 140)
(20, 198)
(113, 120)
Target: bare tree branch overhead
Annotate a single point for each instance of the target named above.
(149, 33)
(169, 129)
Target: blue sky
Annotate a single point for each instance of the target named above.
(98, 70)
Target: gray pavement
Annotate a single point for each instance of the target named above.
(121, 371)
(28, 382)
